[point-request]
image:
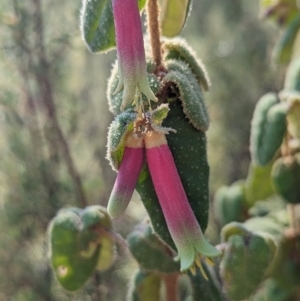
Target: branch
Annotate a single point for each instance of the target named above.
(154, 32)
(43, 80)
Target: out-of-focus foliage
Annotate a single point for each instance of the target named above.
(173, 16)
(52, 142)
(286, 14)
(274, 148)
(235, 46)
(80, 244)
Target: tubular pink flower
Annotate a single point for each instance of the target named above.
(181, 221)
(131, 52)
(130, 168)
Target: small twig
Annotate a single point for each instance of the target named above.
(43, 79)
(154, 32)
(71, 167)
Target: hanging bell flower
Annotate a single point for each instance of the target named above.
(129, 171)
(181, 221)
(131, 53)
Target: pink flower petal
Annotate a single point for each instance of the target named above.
(180, 219)
(130, 168)
(131, 52)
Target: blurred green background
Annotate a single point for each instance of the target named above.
(54, 119)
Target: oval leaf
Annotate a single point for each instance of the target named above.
(283, 49)
(76, 248)
(286, 178)
(146, 286)
(150, 252)
(188, 147)
(173, 16)
(267, 128)
(229, 203)
(117, 131)
(191, 95)
(245, 262)
(178, 49)
(258, 183)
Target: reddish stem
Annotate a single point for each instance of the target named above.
(171, 287)
(154, 32)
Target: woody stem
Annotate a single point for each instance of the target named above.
(154, 32)
(171, 287)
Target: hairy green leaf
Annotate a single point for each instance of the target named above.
(286, 178)
(145, 287)
(267, 128)
(150, 251)
(77, 249)
(245, 261)
(258, 183)
(229, 203)
(117, 131)
(178, 49)
(188, 147)
(190, 93)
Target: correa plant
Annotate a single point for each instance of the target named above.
(157, 145)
